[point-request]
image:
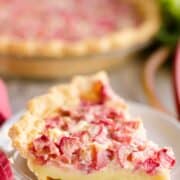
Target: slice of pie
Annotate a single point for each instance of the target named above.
(82, 130)
(55, 28)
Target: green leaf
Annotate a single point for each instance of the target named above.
(170, 29)
(172, 7)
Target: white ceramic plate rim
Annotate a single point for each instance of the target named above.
(168, 118)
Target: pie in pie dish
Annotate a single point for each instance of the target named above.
(57, 28)
(83, 130)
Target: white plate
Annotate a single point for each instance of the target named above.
(161, 128)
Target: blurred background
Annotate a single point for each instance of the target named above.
(136, 41)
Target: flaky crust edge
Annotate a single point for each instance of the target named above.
(31, 123)
(124, 39)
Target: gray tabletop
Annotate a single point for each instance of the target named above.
(125, 79)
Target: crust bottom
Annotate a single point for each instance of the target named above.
(53, 173)
(58, 68)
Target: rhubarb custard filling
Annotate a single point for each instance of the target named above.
(89, 135)
(63, 28)
(66, 20)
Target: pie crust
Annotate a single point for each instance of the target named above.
(122, 39)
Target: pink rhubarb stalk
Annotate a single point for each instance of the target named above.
(176, 79)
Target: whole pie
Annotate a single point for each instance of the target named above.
(83, 130)
(56, 28)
